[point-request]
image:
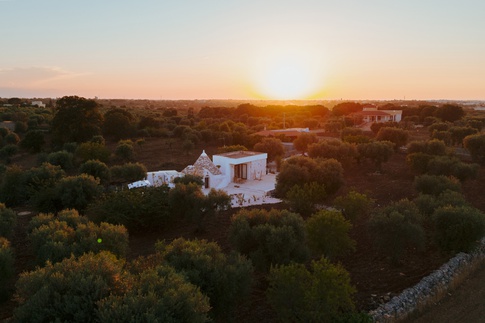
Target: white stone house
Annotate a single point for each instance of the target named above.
(374, 115)
(232, 167)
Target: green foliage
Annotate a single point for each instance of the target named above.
(8, 220)
(300, 170)
(156, 295)
(12, 190)
(40, 184)
(135, 209)
(68, 291)
(77, 119)
(354, 205)
(303, 199)
(54, 239)
(33, 141)
(77, 192)
(6, 267)
(458, 228)
(435, 185)
(269, 237)
(129, 172)
(431, 147)
(272, 146)
(459, 133)
(321, 294)
(125, 151)
(398, 137)
(344, 152)
(475, 144)
(118, 123)
(97, 169)
(452, 166)
(427, 204)
(439, 126)
(377, 151)
(418, 161)
(304, 140)
(92, 151)
(397, 228)
(449, 112)
(188, 200)
(228, 149)
(11, 139)
(376, 126)
(328, 234)
(61, 158)
(226, 280)
(188, 178)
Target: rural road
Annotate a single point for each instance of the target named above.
(465, 304)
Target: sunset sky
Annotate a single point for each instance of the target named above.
(251, 49)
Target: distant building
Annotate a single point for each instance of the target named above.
(374, 115)
(40, 104)
(163, 177)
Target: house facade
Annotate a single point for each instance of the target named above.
(374, 115)
(239, 166)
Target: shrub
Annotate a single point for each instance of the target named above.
(328, 234)
(418, 161)
(93, 150)
(8, 219)
(458, 228)
(135, 209)
(303, 199)
(226, 280)
(6, 267)
(129, 172)
(321, 294)
(269, 237)
(452, 166)
(344, 152)
(354, 205)
(188, 178)
(377, 151)
(272, 146)
(396, 228)
(427, 204)
(435, 185)
(77, 192)
(68, 290)
(12, 189)
(397, 136)
(61, 158)
(475, 144)
(33, 141)
(125, 151)
(54, 239)
(431, 147)
(156, 295)
(97, 169)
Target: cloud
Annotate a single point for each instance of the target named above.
(33, 76)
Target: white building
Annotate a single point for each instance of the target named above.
(40, 104)
(374, 115)
(163, 177)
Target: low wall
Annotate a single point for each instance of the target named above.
(431, 288)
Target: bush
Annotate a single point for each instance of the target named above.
(458, 228)
(377, 151)
(8, 219)
(431, 147)
(452, 166)
(475, 144)
(427, 204)
(321, 294)
(328, 234)
(97, 169)
(135, 209)
(226, 280)
(156, 295)
(418, 161)
(397, 228)
(344, 152)
(397, 136)
(129, 172)
(6, 267)
(435, 185)
(93, 150)
(303, 199)
(125, 151)
(188, 178)
(61, 158)
(300, 170)
(54, 239)
(33, 141)
(354, 205)
(269, 237)
(68, 291)
(77, 192)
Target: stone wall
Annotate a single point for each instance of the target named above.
(431, 288)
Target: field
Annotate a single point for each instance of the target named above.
(372, 275)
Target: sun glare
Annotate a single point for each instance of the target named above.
(287, 77)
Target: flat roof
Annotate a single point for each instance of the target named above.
(239, 154)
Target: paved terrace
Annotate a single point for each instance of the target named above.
(251, 192)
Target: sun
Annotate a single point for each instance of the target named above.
(287, 77)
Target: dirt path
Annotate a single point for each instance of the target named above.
(465, 304)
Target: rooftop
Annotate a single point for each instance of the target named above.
(239, 154)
